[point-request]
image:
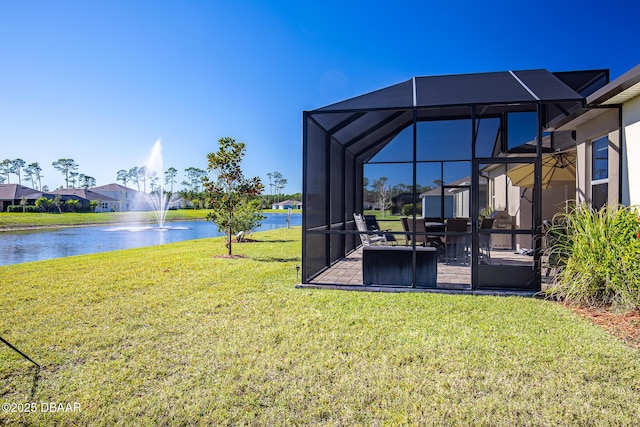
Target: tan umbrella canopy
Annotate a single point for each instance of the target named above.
(557, 169)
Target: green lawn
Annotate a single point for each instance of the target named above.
(173, 335)
(17, 220)
(28, 220)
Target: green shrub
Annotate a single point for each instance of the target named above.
(19, 209)
(598, 256)
(408, 209)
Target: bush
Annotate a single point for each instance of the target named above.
(408, 209)
(20, 209)
(598, 256)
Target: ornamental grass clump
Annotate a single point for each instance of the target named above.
(597, 255)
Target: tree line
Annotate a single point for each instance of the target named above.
(138, 177)
(380, 192)
(32, 173)
(234, 201)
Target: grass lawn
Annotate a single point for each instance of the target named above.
(10, 220)
(29, 220)
(173, 335)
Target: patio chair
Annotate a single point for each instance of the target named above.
(435, 225)
(422, 238)
(372, 225)
(456, 245)
(484, 239)
(405, 227)
(366, 236)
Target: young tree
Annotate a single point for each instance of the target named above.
(66, 167)
(44, 204)
(231, 194)
(57, 202)
(72, 205)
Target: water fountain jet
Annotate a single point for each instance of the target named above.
(158, 200)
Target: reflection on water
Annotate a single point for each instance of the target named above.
(25, 246)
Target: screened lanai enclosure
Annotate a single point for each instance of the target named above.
(430, 165)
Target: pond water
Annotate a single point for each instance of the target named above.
(25, 246)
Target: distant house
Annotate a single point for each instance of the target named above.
(454, 196)
(287, 204)
(11, 194)
(399, 200)
(123, 198)
(111, 197)
(105, 203)
(369, 205)
(432, 204)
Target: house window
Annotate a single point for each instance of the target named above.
(599, 172)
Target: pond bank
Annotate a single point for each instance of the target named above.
(62, 240)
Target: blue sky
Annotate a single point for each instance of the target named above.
(101, 81)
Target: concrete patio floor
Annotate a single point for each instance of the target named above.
(347, 272)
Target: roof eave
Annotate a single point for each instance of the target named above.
(605, 94)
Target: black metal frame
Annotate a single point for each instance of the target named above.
(342, 191)
(12, 347)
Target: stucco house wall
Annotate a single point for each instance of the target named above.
(631, 152)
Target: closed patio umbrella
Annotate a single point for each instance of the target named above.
(557, 169)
